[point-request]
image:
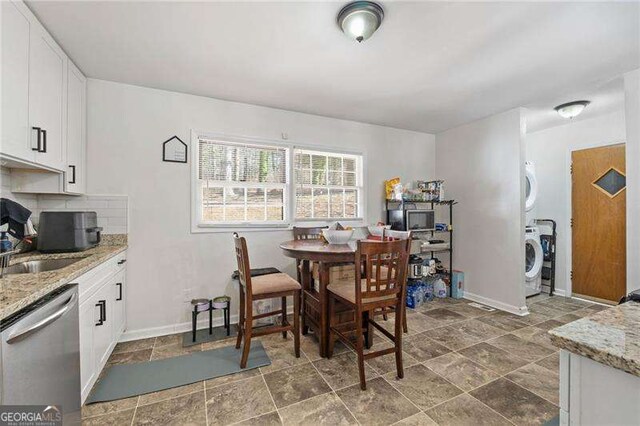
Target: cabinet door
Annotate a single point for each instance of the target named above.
(46, 99)
(88, 317)
(103, 325)
(76, 128)
(15, 83)
(119, 303)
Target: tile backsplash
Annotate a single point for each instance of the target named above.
(30, 201)
(112, 210)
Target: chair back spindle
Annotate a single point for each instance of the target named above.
(242, 257)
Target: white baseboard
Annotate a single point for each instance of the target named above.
(560, 292)
(521, 311)
(145, 333)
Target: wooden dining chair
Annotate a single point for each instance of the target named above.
(392, 235)
(264, 287)
(374, 291)
(306, 233)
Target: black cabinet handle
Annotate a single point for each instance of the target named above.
(119, 291)
(73, 174)
(102, 304)
(122, 261)
(44, 141)
(37, 129)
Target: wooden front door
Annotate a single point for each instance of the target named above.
(598, 199)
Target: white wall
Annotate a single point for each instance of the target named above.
(550, 151)
(632, 111)
(167, 263)
(482, 164)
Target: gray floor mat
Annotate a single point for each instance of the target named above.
(123, 381)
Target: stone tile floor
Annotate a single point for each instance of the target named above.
(463, 366)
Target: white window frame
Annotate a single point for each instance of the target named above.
(289, 193)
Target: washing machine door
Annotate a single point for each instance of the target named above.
(531, 185)
(533, 257)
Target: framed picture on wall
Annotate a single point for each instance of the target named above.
(174, 150)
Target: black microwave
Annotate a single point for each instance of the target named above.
(412, 220)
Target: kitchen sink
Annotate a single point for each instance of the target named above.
(43, 265)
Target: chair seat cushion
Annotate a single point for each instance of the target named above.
(273, 283)
(347, 291)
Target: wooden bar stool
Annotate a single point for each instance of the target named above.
(375, 291)
(268, 286)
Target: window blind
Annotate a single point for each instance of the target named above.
(242, 183)
(327, 185)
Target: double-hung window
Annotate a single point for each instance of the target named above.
(252, 183)
(241, 183)
(327, 185)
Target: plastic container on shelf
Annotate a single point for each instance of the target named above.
(428, 291)
(440, 288)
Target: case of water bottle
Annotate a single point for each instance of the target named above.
(418, 292)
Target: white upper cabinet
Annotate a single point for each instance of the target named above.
(47, 99)
(76, 131)
(43, 107)
(15, 83)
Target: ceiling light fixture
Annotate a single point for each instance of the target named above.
(360, 19)
(571, 109)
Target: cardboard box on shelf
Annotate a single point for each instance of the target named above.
(457, 284)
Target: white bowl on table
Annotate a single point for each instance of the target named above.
(377, 230)
(334, 236)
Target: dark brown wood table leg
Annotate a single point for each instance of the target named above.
(306, 282)
(324, 308)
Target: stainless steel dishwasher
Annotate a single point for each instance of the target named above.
(41, 354)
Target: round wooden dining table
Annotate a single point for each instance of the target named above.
(315, 303)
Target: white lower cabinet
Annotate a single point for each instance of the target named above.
(118, 297)
(102, 324)
(102, 317)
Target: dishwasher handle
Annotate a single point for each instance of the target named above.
(22, 334)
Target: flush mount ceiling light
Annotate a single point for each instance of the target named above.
(360, 19)
(571, 109)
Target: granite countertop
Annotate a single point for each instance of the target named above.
(610, 337)
(19, 290)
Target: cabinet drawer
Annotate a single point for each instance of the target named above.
(89, 282)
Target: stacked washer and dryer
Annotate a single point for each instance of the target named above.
(534, 255)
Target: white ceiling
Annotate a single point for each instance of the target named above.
(605, 98)
(430, 67)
